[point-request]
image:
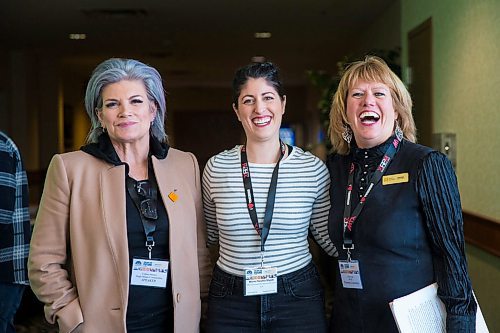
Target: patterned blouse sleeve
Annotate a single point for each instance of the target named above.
(438, 191)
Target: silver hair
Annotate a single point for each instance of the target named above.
(114, 70)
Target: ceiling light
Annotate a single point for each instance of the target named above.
(77, 36)
(258, 58)
(262, 35)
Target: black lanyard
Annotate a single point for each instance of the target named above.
(349, 218)
(247, 184)
(148, 224)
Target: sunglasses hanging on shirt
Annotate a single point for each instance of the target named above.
(146, 203)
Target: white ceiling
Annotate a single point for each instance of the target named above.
(190, 41)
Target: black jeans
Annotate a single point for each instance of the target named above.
(298, 306)
(161, 321)
(10, 299)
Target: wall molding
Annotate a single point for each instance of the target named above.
(482, 232)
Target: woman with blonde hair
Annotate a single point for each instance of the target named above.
(395, 212)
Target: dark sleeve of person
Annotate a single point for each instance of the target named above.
(438, 191)
(23, 191)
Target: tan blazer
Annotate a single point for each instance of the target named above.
(79, 263)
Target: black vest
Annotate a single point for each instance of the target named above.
(390, 243)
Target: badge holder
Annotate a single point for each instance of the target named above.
(261, 280)
(349, 271)
(149, 273)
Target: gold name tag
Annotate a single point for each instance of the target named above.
(395, 179)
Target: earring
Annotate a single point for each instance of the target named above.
(347, 134)
(398, 131)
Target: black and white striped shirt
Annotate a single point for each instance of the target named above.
(302, 204)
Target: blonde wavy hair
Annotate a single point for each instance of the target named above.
(371, 69)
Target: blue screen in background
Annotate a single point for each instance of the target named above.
(287, 135)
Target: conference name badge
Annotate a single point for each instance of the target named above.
(149, 273)
(260, 281)
(350, 274)
(395, 179)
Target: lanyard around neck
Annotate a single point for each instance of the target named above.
(349, 218)
(149, 225)
(247, 184)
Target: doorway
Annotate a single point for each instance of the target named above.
(420, 80)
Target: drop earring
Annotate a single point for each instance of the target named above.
(347, 134)
(398, 131)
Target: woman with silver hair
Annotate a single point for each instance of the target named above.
(119, 239)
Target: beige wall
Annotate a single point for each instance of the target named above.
(466, 77)
(466, 65)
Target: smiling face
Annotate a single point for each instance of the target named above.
(370, 113)
(126, 112)
(260, 110)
